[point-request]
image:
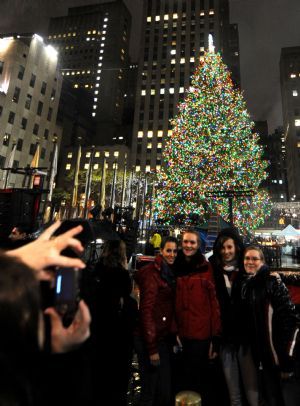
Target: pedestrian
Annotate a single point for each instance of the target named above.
(197, 317)
(155, 242)
(227, 263)
(272, 329)
(113, 317)
(153, 342)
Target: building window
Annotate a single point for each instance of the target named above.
(69, 155)
(11, 117)
(21, 72)
(19, 144)
(297, 123)
(46, 134)
(49, 114)
(53, 94)
(32, 149)
(43, 153)
(16, 94)
(68, 167)
(43, 88)
(6, 139)
(36, 129)
(32, 80)
(295, 93)
(40, 108)
(28, 101)
(1, 110)
(1, 67)
(24, 123)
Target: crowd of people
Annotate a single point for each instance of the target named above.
(224, 327)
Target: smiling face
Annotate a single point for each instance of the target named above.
(253, 261)
(190, 244)
(169, 252)
(228, 251)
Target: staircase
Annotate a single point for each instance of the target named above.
(214, 227)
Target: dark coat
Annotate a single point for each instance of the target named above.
(197, 308)
(271, 321)
(156, 311)
(227, 302)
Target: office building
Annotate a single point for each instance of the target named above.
(93, 42)
(175, 36)
(290, 93)
(30, 86)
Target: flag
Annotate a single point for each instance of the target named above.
(88, 182)
(76, 176)
(35, 163)
(9, 164)
(53, 172)
(124, 186)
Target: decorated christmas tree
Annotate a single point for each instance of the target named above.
(212, 149)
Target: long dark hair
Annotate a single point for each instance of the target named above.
(223, 236)
(19, 308)
(114, 254)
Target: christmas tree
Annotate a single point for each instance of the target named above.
(212, 148)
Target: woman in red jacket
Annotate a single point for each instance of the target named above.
(197, 317)
(153, 343)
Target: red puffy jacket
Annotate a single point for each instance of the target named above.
(156, 311)
(197, 307)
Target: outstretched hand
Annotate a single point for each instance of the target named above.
(67, 339)
(46, 250)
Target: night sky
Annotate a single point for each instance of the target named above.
(265, 26)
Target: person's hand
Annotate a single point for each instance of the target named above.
(67, 339)
(155, 360)
(211, 353)
(45, 251)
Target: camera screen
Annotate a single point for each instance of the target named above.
(66, 285)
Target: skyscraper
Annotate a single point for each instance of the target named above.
(93, 43)
(175, 35)
(290, 93)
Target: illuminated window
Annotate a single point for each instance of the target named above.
(152, 92)
(86, 166)
(171, 90)
(192, 59)
(148, 169)
(116, 153)
(140, 134)
(173, 51)
(97, 154)
(297, 122)
(293, 75)
(175, 16)
(202, 13)
(295, 93)
(149, 145)
(169, 133)
(106, 154)
(88, 155)
(182, 60)
(93, 114)
(157, 18)
(158, 167)
(68, 167)
(159, 134)
(162, 91)
(173, 61)
(70, 154)
(150, 134)
(143, 92)
(166, 17)
(137, 168)
(96, 166)
(159, 145)
(211, 12)
(181, 90)
(149, 19)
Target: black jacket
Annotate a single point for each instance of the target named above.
(270, 321)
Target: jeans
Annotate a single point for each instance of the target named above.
(155, 380)
(240, 371)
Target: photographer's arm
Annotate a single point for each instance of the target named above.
(67, 339)
(46, 250)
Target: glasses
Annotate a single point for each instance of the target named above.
(252, 259)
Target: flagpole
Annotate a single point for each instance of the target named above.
(103, 185)
(34, 163)
(76, 175)
(88, 182)
(130, 186)
(113, 187)
(53, 170)
(124, 185)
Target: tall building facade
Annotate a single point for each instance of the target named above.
(30, 86)
(290, 93)
(93, 43)
(175, 36)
